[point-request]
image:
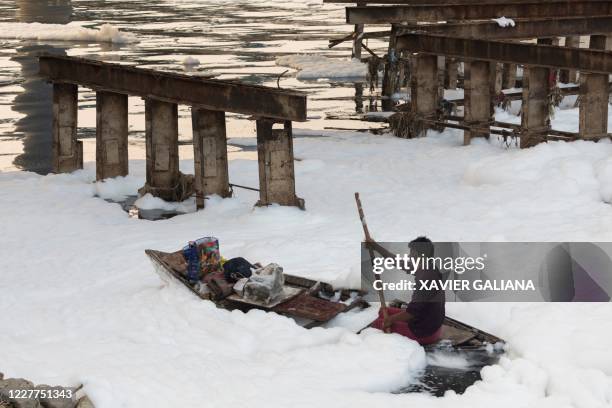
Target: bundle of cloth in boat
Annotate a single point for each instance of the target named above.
(251, 282)
(221, 283)
(265, 285)
(256, 284)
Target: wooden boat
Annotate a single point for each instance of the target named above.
(457, 335)
(307, 302)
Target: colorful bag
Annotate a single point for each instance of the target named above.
(206, 260)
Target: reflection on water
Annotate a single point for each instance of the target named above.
(35, 102)
(44, 11)
(232, 39)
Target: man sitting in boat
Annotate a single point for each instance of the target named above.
(423, 317)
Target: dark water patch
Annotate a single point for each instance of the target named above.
(151, 214)
(450, 369)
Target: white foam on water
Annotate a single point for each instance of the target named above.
(65, 32)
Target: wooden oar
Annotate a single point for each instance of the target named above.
(368, 241)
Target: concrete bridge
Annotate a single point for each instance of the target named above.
(432, 49)
(273, 109)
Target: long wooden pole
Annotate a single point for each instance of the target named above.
(368, 240)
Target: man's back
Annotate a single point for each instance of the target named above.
(427, 306)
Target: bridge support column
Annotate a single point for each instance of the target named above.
(450, 79)
(566, 75)
(111, 135)
(496, 72)
(594, 97)
(67, 150)
(479, 91)
(210, 154)
(276, 168)
(391, 80)
(509, 76)
(535, 116)
(163, 177)
(356, 52)
(424, 95)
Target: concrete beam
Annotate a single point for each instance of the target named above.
(424, 88)
(524, 28)
(111, 135)
(533, 9)
(594, 97)
(67, 150)
(210, 154)
(535, 120)
(479, 92)
(276, 168)
(161, 132)
(509, 52)
(444, 2)
(228, 96)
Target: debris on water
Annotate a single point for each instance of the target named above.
(150, 214)
(191, 61)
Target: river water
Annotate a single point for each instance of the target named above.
(234, 39)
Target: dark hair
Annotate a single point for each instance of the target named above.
(422, 245)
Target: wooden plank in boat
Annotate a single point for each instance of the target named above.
(456, 336)
(310, 307)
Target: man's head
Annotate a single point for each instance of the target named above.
(422, 246)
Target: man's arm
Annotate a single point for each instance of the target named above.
(403, 316)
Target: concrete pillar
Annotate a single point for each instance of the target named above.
(111, 135)
(390, 82)
(509, 76)
(441, 76)
(161, 122)
(276, 169)
(551, 72)
(67, 150)
(450, 79)
(356, 52)
(403, 71)
(424, 88)
(358, 97)
(479, 90)
(594, 97)
(569, 76)
(535, 114)
(496, 72)
(210, 154)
